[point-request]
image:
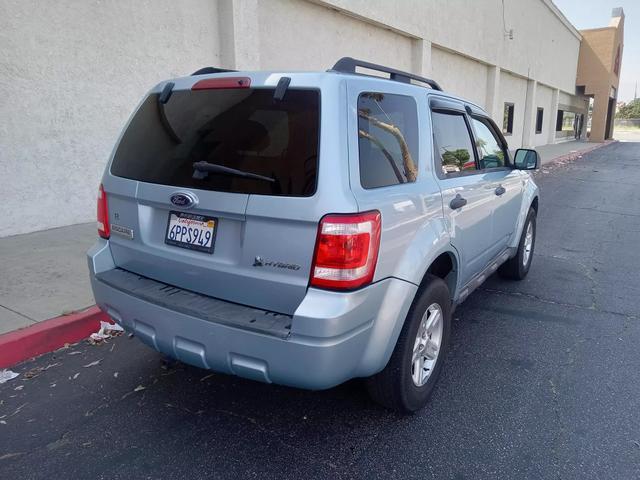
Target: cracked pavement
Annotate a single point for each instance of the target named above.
(542, 379)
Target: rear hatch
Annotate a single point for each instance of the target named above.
(245, 240)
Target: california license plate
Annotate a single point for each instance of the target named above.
(188, 230)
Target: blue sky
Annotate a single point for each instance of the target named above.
(597, 13)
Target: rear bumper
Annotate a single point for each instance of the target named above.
(333, 336)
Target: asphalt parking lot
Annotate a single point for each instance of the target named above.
(542, 380)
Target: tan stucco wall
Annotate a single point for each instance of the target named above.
(86, 63)
(597, 57)
(544, 46)
(596, 61)
(544, 96)
(300, 35)
(514, 90)
(462, 75)
(70, 74)
(575, 104)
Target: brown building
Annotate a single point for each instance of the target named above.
(599, 72)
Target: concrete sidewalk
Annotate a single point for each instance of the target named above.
(549, 153)
(627, 135)
(44, 274)
(552, 152)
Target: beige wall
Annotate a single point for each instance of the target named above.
(72, 71)
(462, 75)
(597, 57)
(544, 97)
(575, 104)
(70, 74)
(544, 46)
(514, 90)
(299, 35)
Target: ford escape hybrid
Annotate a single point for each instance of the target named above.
(308, 228)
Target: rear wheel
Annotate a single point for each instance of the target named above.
(517, 267)
(406, 382)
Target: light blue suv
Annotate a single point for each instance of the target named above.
(308, 228)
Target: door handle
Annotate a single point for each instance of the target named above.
(457, 202)
(500, 190)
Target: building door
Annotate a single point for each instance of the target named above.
(577, 126)
(610, 112)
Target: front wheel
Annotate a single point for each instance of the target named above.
(516, 268)
(406, 382)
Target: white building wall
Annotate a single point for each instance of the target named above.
(514, 90)
(71, 71)
(544, 46)
(575, 104)
(462, 75)
(299, 35)
(544, 97)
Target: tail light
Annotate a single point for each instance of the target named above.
(103, 214)
(346, 251)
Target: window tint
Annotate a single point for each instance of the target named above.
(242, 129)
(387, 139)
(490, 152)
(454, 149)
(507, 119)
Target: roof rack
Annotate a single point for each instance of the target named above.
(349, 65)
(208, 70)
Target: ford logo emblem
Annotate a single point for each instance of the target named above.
(183, 200)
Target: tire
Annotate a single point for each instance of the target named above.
(516, 268)
(394, 387)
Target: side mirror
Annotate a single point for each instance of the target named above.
(526, 159)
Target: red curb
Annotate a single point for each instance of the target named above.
(48, 335)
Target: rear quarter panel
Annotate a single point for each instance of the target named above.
(414, 232)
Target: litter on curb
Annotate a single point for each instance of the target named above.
(107, 330)
(6, 375)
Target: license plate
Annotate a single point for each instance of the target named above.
(188, 230)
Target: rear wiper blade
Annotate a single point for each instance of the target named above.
(203, 168)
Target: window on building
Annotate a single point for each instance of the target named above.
(539, 117)
(490, 151)
(387, 139)
(507, 122)
(452, 143)
(568, 121)
(559, 120)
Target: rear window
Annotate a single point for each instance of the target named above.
(242, 129)
(387, 139)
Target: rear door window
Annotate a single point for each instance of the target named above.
(387, 139)
(242, 129)
(452, 141)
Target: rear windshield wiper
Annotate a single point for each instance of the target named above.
(163, 98)
(204, 168)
